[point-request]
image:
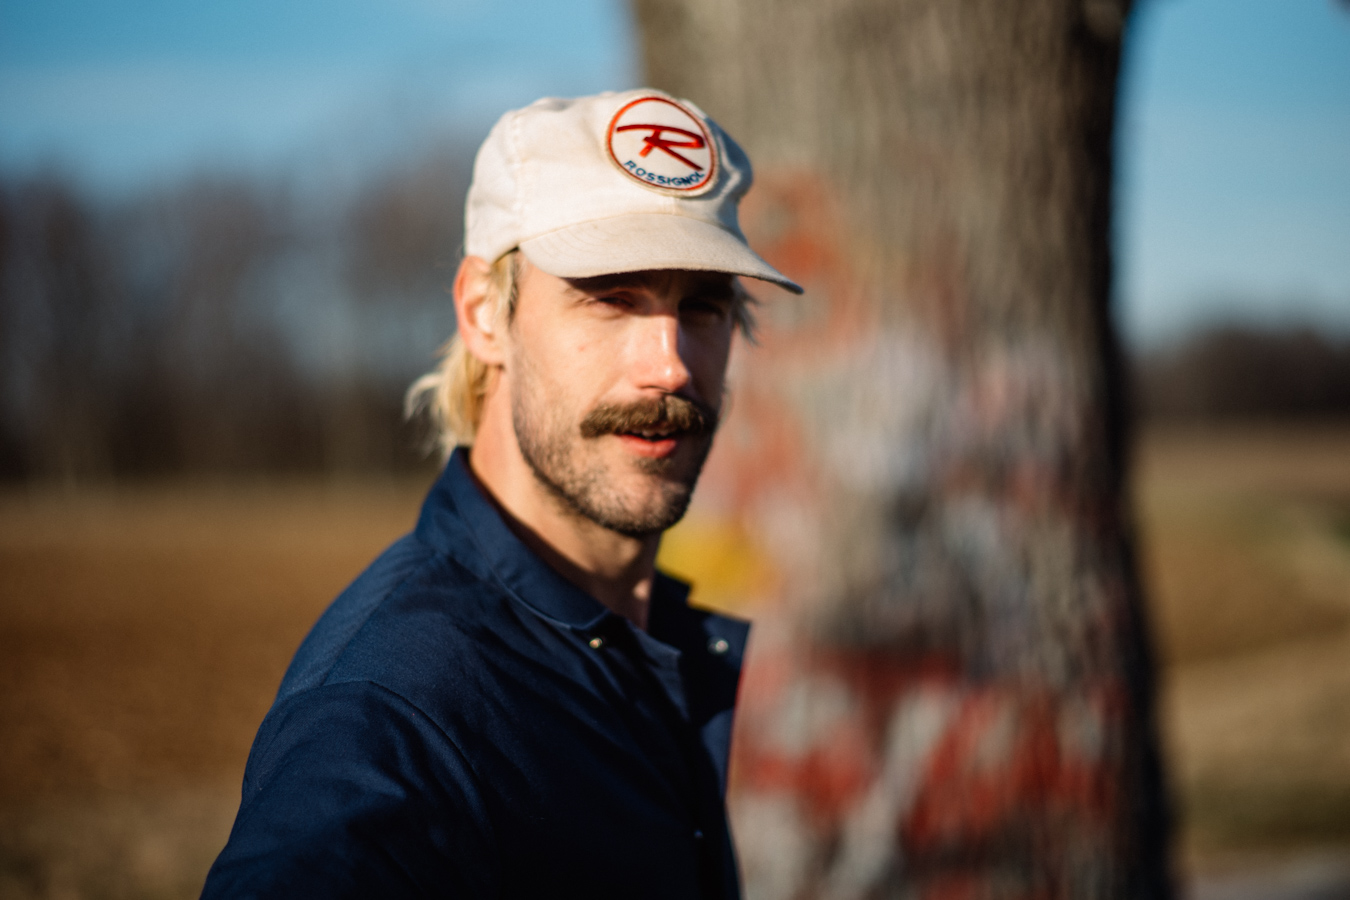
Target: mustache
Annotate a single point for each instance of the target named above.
(679, 413)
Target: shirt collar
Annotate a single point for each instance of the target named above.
(460, 521)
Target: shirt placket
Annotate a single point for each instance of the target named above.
(706, 806)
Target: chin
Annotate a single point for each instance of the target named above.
(644, 502)
(652, 513)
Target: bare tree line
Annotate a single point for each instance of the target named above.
(1229, 372)
(229, 324)
(225, 324)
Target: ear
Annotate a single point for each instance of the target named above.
(476, 312)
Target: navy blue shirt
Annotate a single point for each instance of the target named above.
(464, 722)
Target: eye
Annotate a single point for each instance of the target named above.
(615, 301)
(709, 310)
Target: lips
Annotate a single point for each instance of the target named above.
(658, 441)
(654, 434)
(651, 428)
(654, 447)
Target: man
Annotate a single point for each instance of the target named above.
(511, 701)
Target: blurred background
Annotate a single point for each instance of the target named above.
(226, 234)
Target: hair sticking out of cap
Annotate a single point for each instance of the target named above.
(451, 395)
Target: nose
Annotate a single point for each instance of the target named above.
(659, 362)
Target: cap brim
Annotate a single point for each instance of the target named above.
(641, 241)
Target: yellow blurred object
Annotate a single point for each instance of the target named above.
(727, 569)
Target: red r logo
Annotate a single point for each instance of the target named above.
(655, 141)
(687, 163)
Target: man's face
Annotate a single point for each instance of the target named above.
(616, 386)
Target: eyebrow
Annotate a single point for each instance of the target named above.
(712, 285)
(600, 283)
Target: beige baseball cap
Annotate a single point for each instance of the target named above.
(616, 182)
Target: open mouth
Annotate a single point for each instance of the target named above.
(654, 443)
(653, 435)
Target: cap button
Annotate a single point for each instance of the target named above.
(596, 643)
(718, 646)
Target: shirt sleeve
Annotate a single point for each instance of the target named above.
(351, 791)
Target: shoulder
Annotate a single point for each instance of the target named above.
(411, 594)
(347, 731)
(422, 628)
(329, 803)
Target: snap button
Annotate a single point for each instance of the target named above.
(718, 646)
(597, 642)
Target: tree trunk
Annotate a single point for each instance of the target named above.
(957, 700)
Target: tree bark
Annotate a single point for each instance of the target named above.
(932, 443)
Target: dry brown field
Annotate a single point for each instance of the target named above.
(144, 630)
(1246, 547)
(143, 633)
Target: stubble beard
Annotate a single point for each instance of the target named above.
(586, 489)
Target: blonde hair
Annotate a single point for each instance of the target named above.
(451, 395)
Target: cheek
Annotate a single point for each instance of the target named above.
(569, 370)
(707, 361)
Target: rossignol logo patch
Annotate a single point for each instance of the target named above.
(662, 145)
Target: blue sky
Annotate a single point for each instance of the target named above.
(120, 92)
(1234, 169)
(1234, 178)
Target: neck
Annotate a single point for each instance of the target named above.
(614, 568)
